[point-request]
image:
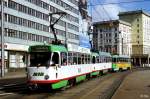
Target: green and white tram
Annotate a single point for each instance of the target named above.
(57, 66)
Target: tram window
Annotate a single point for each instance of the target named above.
(97, 59)
(89, 60)
(79, 58)
(39, 58)
(93, 59)
(100, 60)
(82, 59)
(75, 58)
(85, 59)
(63, 58)
(114, 60)
(70, 58)
(55, 59)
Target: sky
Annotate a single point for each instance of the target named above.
(107, 11)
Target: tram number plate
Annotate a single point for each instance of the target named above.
(38, 74)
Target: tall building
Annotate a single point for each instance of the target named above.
(140, 23)
(26, 22)
(112, 36)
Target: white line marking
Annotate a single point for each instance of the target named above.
(3, 94)
(10, 85)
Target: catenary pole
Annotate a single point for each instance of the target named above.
(2, 40)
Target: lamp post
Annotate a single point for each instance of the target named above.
(2, 40)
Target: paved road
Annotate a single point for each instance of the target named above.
(95, 88)
(135, 86)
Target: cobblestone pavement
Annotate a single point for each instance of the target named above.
(135, 86)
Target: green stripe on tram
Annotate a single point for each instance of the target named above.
(80, 78)
(94, 73)
(60, 84)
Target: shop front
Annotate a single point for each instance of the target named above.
(16, 56)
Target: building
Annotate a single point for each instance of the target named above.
(112, 36)
(140, 23)
(26, 22)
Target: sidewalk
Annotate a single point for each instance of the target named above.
(11, 75)
(135, 86)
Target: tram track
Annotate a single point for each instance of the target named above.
(102, 87)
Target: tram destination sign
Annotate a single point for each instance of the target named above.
(39, 49)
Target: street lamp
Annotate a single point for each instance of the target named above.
(2, 40)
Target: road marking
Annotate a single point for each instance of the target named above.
(10, 85)
(3, 94)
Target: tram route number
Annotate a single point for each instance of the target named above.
(38, 74)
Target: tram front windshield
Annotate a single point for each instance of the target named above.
(40, 58)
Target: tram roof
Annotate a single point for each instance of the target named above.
(104, 54)
(115, 56)
(120, 56)
(94, 54)
(124, 56)
(47, 48)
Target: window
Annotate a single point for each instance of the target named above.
(55, 58)
(63, 58)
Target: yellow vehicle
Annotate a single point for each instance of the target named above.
(121, 62)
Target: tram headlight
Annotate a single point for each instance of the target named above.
(46, 77)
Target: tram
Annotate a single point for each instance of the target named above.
(57, 66)
(121, 62)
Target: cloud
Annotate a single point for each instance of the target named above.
(106, 12)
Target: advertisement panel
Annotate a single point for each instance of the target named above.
(84, 41)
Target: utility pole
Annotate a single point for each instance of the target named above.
(66, 33)
(122, 44)
(2, 40)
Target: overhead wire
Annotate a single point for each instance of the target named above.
(111, 3)
(97, 12)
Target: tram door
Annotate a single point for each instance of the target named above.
(55, 59)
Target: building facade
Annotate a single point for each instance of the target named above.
(26, 22)
(140, 23)
(112, 36)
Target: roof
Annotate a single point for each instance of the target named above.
(120, 56)
(46, 48)
(112, 22)
(134, 12)
(124, 56)
(94, 54)
(105, 54)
